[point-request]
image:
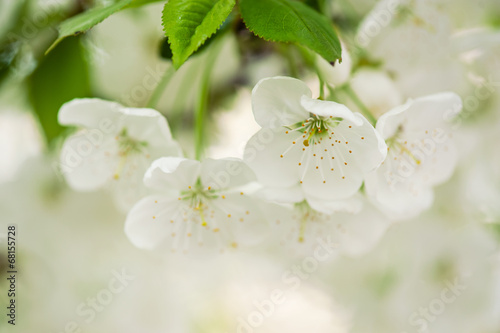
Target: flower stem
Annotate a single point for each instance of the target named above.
(321, 88)
(371, 118)
(160, 88)
(202, 103)
(201, 107)
(286, 52)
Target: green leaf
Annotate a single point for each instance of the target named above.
(317, 5)
(8, 56)
(86, 20)
(291, 22)
(189, 23)
(60, 77)
(165, 50)
(140, 3)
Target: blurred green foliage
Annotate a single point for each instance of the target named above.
(61, 76)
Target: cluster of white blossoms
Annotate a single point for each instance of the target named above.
(315, 168)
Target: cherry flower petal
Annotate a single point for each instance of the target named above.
(362, 145)
(433, 112)
(87, 167)
(439, 164)
(148, 222)
(172, 173)
(424, 114)
(225, 173)
(351, 205)
(331, 183)
(398, 198)
(388, 124)
(241, 217)
(282, 195)
(276, 101)
(271, 152)
(149, 125)
(129, 188)
(90, 112)
(329, 109)
(361, 232)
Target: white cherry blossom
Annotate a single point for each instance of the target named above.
(309, 149)
(113, 147)
(421, 154)
(198, 205)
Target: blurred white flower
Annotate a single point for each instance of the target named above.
(19, 139)
(309, 149)
(376, 90)
(478, 49)
(480, 169)
(337, 74)
(405, 33)
(467, 14)
(242, 293)
(75, 217)
(107, 61)
(421, 154)
(413, 39)
(114, 147)
(353, 230)
(234, 128)
(261, 67)
(425, 275)
(201, 203)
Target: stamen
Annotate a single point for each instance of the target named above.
(308, 160)
(302, 228)
(121, 165)
(288, 149)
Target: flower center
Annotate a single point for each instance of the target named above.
(399, 147)
(326, 149)
(127, 146)
(201, 212)
(197, 198)
(315, 128)
(305, 216)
